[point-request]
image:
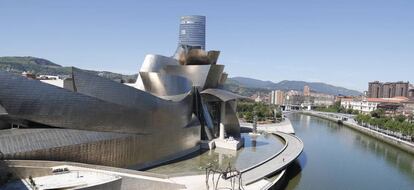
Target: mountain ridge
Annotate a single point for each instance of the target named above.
(293, 85)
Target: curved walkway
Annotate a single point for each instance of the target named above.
(292, 149)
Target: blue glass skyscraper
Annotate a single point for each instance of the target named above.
(193, 31)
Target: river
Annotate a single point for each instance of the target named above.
(337, 157)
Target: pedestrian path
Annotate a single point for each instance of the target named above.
(293, 148)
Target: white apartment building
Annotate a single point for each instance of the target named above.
(367, 105)
(363, 105)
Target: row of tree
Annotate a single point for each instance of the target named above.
(248, 110)
(399, 124)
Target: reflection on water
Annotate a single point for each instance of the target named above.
(292, 176)
(383, 151)
(255, 150)
(336, 157)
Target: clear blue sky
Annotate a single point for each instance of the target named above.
(341, 42)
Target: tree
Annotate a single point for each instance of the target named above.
(355, 112)
(378, 113)
(410, 118)
(400, 118)
(248, 116)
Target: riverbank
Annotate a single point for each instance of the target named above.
(285, 126)
(404, 145)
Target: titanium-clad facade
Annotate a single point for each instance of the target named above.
(38, 102)
(193, 31)
(99, 121)
(101, 148)
(144, 125)
(2, 111)
(99, 105)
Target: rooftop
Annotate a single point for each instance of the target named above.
(397, 99)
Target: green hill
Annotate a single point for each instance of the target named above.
(33, 65)
(41, 66)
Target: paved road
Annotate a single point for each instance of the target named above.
(278, 162)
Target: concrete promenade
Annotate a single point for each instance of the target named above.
(404, 145)
(285, 126)
(292, 149)
(131, 179)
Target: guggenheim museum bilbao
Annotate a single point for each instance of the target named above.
(176, 102)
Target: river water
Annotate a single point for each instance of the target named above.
(337, 157)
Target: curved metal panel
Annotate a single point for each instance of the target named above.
(223, 78)
(49, 138)
(213, 56)
(231, 122)
(189, 55)
(165, 85)
(197, 74)
(111, 91)
(154, 63)
(103, 148)
(2, 111)
(50, 105)
(165, 129)
(194, 57)
(155, 112)
(214, 76)
(222, 95)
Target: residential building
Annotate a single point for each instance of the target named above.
(411, 91)
(258, 99)
(306, 90)
(362, 105)
(294, 98)
(322, 100)
(367, 105)
(277, 97)
(378, 89)
(407, 108)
